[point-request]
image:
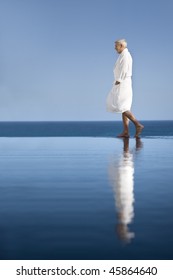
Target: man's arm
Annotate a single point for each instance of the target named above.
(123, 68)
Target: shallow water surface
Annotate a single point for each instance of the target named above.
(86, 198)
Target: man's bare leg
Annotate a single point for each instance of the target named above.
(138, 125)
(125, 132)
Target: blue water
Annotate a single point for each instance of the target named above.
(81, 129)
(88, 197)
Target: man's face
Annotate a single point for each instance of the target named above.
(118, 47)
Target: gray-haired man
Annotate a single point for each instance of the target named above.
(119, 99)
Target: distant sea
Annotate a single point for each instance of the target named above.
(73, 190)
(81, 129)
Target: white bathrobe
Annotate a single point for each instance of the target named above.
(119, 99)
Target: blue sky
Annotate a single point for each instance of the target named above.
(57, 58)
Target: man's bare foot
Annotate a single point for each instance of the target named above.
(139, 129)
(123, 135)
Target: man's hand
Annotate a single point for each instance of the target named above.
(117, 83)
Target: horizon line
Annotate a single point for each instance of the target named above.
(80, 120)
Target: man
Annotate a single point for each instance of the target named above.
(119, 99)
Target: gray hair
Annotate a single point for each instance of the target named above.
(122, 42)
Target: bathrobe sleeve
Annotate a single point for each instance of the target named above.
(123, 69)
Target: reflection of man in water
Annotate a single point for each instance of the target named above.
(122, 176)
